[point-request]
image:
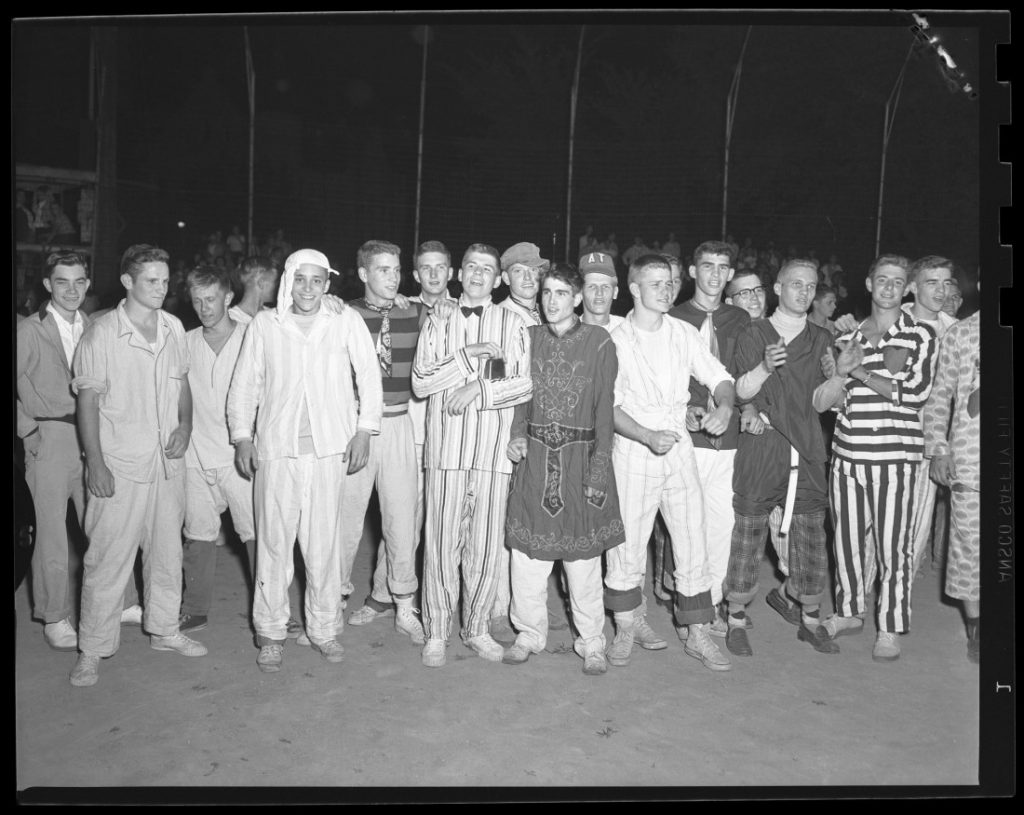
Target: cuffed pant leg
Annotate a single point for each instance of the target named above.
(808, 558)
(115, 527)
(161, 555)
(639, 498)
(320, 525)
(277, 493)
(586, 597)
(715, 469)
(485, 554)
(529, 610)
(749, 535)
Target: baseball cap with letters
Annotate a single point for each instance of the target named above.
(599, 262)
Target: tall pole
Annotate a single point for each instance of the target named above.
(890, 116)
(572, 142)
(419, 152)
(250, 76)
(730, 114)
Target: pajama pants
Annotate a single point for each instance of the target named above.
(207, 494)
(808, 560)
(465, 531)
(924, 511)
(530, 600)
(380, 591)
(715, 470)
(53, 475)
(393, 468)
(669, 483)
(872, 510)
(149, 516)
(963, 564)
(298, 498)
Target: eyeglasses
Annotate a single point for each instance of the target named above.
(754, 292)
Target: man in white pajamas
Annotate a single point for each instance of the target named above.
(655, 466)
(212, 484)
(294, 381)
(135, 420)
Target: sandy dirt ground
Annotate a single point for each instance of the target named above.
(785, 716)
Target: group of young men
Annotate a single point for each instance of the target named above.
(515, 434)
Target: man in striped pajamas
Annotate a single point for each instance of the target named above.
(882, 378)
(474, 367)
(294, 382)
(392, 465)
(655, 466)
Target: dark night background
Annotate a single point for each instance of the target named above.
(337, 103)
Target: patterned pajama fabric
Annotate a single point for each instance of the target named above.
(808, 561)
(875, 500)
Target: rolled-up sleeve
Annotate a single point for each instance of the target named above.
(90, 364)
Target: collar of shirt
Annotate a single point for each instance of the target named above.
(126, 327)
(70, 333)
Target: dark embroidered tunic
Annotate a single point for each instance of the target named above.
(569, 427)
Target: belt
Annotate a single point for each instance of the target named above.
(68, 419)
(555, 436)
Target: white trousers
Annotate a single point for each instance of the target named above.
(530, 600)
(298, 498)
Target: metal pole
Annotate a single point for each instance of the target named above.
(572, 139)
(730, 114)
(250, 75)
(419, 155)
(890, 116)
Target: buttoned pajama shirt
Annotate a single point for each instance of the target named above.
(212, 483)
(876, 450)
(138, 392)
(281, 372)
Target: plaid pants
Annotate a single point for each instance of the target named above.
(808, 559)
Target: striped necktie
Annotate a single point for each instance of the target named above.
(384, 337)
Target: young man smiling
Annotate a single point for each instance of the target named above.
(783, 465)
(474, 367)
(294, 382)
(564, 504)
(655, 465)
(392, 465)
(881, 380)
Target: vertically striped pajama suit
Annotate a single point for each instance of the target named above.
(877, 448)
(467, 467)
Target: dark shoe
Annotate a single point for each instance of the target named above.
(819, 639)
(191, 622)
(836, 626)
(737, 643)
(974, 642)
(790, 613)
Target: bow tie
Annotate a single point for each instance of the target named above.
(477, 310)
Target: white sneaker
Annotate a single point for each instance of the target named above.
(433, 653)
(132, 615)
(487, 647)
(86, 671)
(406, 622)
(331, 650)
(303, 639)
(700, 645)
(61, 636)
(367, 614)
(887, 647)
(185, 646)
